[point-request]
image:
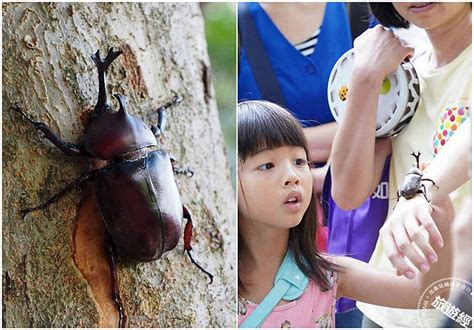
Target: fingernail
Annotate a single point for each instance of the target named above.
(432, 258)
(410, 274)
(424, 268)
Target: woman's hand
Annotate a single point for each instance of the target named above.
(404, 229)
(378, 52)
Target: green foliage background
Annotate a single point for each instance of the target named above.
(220, 21)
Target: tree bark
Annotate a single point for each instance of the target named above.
(55, 272)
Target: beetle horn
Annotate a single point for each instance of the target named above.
(122, 102)
(102, 66)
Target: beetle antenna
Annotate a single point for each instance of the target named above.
(102, 66)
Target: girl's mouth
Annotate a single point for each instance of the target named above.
(293, 201)
(420, 7)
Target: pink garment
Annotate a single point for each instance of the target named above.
(314, 309)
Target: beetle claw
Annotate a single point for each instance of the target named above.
(177, 100)
(186, 171)
(211, 277)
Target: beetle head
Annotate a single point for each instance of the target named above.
(113, 133)
(415, 170)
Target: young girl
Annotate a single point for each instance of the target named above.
(276, 217)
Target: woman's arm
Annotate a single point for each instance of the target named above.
(320, 140)
(452, 166)
(355, 156)
(363, 282)
(449, 170)
(319, 144)
(319, 175)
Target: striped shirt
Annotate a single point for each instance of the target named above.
(307, 47)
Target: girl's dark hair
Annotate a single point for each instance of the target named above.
(386, 14)
(264, 125)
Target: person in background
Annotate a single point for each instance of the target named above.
(402, 226)
(284, 281)
(286, 54)
(445, 103)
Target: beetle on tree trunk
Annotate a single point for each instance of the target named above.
(136, 190)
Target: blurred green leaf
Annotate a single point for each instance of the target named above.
(220, 23)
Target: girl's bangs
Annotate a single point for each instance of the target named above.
(264, 125)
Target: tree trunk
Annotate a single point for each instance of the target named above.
(55, 271)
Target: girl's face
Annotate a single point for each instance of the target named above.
(275, 187)
(430, 15)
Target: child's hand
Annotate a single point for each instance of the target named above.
(404, 227)
(379, 52)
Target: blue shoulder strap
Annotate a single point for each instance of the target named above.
(290, 283)
(257, 57)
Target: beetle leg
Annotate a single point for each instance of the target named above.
(434, 184)
(69, 149)
(397, 198)
(76, 183)
(188, 232)
(180, 170)
(111, 253)
(160, 127)
(163, 115)
(424, 193)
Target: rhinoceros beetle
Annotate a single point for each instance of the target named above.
(413, 182)
(136, 190)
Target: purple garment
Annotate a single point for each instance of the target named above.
(354, 233)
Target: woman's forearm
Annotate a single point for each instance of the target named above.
(377, 53)
(443, 215)
(353, 151)
(451, 167)
(319, 175)
(320, 139)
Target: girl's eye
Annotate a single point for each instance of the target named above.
(266, 166)
(301, 162)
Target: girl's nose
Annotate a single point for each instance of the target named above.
(291, 179)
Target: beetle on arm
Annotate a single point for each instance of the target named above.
(364, 282)
(402, 228)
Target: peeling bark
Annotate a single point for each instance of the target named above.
(55, 273)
